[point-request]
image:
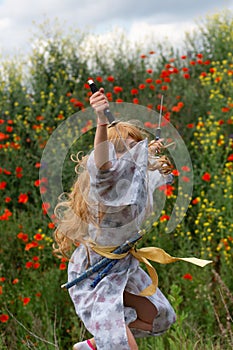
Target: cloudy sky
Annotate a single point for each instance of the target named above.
(162, 18)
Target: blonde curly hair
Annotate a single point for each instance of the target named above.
(73, 213)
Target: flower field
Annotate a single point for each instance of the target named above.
(37, 94)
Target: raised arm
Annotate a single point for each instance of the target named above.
(101, 151)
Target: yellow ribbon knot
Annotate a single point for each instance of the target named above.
(143, 255)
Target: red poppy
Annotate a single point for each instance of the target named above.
(45, 207)
(40, 117)
(15, 281)
(37, 165)
(165, 73)
(134, 91)
(185, 179)
(183, 57)
(175, 70)
(31, 245)
(99, 79)
(225, 109)
(86, 86)
(6, 215)
(175, 109)
(38, 237)
(29, 264)
(149, 71)
(109, 96)
(149, 80)
(63, 259)
(167, 80)
(175, 172)
(19, 175)
(167, 117)
(143, 56)
(149, 124)
(36, 265)
(187, 276)
(23, 198)
(164, 87)
(26, 301)
(190, 126)
(203, 74)
(3, 185)
(62, 266)
(158, 81)
(51, 225)
(164, 218)
(136, 101)
(79, 104)
(23, 236)
(195, 201)
(186, 76)
(206, 177)
(43, 189)
(159, 107)
(4, 318)
(3, 136)
(18, 169)
(142, 86)
(167, 189)
(230, 158)
(117, 89)
(6, 172)
(199, 55)
(180, 104)
(110, 78)
(2, 279)
(9, 129)
(119, 100)
(185, 168)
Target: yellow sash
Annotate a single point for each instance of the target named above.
(143, 255)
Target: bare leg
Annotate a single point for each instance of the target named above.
(131, 339)
(146, 311)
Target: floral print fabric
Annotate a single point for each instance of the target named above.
(125, 192)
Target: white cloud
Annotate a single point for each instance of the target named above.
(174, 33)
(5, 23)
(160, 19)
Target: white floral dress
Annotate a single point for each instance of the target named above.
(125, 191)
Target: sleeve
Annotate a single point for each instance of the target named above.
(122, 183)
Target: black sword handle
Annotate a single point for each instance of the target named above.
(158, 134)
(107, 111)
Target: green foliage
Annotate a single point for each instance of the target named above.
(36, 95)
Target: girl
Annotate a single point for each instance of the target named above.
(109, 201)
